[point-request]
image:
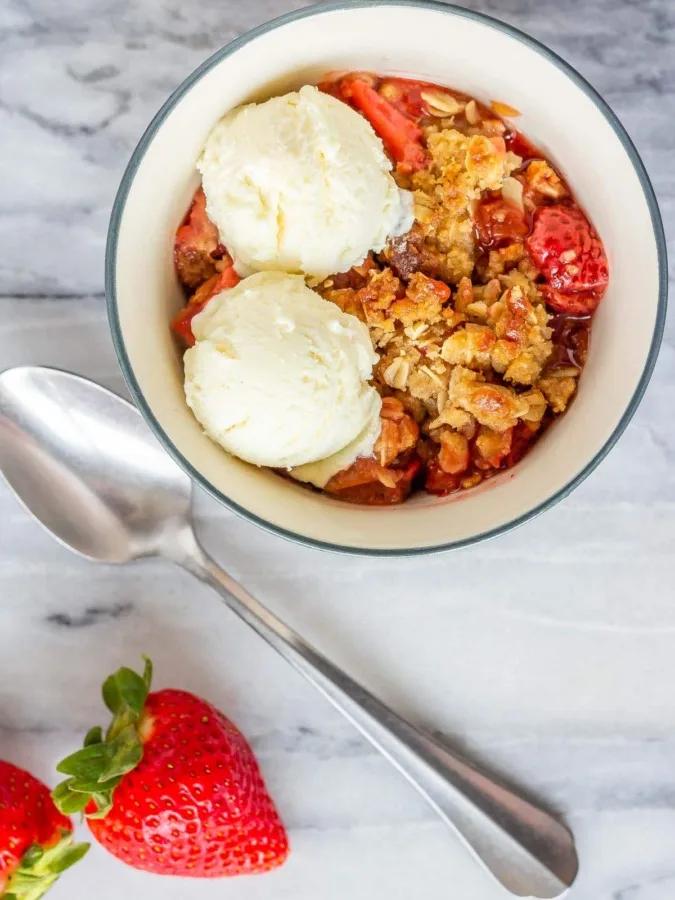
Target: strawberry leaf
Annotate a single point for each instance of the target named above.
(72, 803)
(89, 762)
(40, 868)
(132, 689)
(97, 769)
(79, 786)
(111, 694)
(93, 736)
(61, 791)
(128, 754)
(69, 857)
(147, 671)
(103, 802)
(34, 853)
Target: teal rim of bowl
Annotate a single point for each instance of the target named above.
(321, 9)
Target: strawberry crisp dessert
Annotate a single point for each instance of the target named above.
(389, 288)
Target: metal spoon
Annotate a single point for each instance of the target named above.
(83, 462)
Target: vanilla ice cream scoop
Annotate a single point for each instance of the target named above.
(279, 377)
(301, 184)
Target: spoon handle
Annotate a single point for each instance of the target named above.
(525, 848)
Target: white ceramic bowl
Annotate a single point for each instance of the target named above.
(465, 50)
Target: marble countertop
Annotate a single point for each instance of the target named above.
(549, 652)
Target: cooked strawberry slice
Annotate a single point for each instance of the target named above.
(369, 483)
(439, 482)
(182, 322)
(405, 95)
(582, 303)
(521, 440)
(197, 245)
(223, 281)
(517, 143)
(497, 221)
(565, 247)
(401, 136)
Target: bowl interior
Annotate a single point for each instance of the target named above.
(448, 47)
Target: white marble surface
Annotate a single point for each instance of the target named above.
(548, 652)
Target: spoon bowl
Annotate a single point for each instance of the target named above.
(82, 461)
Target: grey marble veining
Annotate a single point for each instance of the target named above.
(548, 652)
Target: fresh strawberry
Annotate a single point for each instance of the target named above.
(401, 136)
(567, 250)
(36, 841)
(173, 787)
(197, 244)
